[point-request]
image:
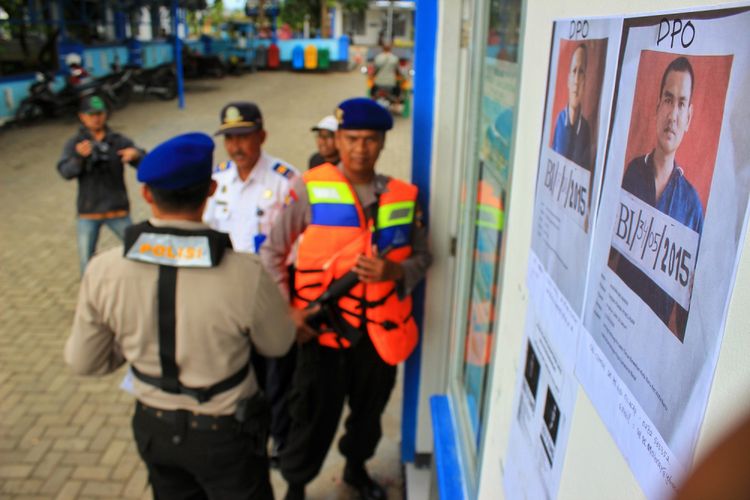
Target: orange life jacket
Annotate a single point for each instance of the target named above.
(337, 234)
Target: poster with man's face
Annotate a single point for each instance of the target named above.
(579, 92)
(670, 157)
(672, 214)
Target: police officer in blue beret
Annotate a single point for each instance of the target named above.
(350, 221)
(184, 310)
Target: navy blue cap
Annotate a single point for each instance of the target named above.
(239, 118)
(361, 113)
(180, 162)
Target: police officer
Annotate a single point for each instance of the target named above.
(350, 218)
(183, 309)
(252, 187)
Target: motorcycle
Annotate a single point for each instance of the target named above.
(43, 101)
(396, 99)
(117, 87)
(196, 65)
(160, 81)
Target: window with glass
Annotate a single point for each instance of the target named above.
(491, 116)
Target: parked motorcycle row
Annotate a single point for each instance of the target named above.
(116, 89)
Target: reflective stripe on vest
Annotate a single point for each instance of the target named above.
(337, 234)
(332, 204)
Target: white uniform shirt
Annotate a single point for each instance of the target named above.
(247, 209)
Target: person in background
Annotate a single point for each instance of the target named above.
(95, 156)
(325, 138)
(386, 73)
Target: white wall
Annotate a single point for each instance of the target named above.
(594, 467)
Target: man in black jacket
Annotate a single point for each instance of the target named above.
(95, 156)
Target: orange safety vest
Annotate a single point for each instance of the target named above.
(337, 234)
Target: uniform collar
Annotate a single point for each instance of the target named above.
(179, 224)
(259, 170)
(379, 182)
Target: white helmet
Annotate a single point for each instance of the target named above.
(73, 59)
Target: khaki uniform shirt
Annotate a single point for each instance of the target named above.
(296, 217)
(219, 311)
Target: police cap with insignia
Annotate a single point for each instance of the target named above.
(361, 113)
(180, 162)
(239, 118)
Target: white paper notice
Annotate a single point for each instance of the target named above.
(543, 407)
(672, 215)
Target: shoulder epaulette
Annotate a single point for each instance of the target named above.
(283, 170)
(221, 167)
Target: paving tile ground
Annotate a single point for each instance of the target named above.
(67, 437)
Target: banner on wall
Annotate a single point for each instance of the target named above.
(672, 214)
(581, 79)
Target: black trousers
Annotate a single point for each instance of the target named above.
(323, 380)
(274, 377)
(185, 463)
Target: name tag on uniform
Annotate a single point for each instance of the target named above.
(171, 250)
(326, 193)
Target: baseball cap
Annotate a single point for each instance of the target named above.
(240, 118)
(93, 104)
(327, 123)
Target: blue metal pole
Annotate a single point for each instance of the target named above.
(178, 55)
(425, 46)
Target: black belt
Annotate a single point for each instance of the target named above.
(193, 421)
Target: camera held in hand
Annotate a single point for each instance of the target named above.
(100, 152)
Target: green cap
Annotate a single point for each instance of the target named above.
(92, 105)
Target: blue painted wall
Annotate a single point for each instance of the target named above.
(425, 46)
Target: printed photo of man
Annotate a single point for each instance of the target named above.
(658, 180)
(572, 137)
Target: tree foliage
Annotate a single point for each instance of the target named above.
(356, 6)
(294, 12)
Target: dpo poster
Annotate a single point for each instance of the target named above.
(672, 215)
(579, 96)
(579, 93)
(543, 407)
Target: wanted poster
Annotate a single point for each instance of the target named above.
(672, 216)
(579, 95)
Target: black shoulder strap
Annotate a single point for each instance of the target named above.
(170, 373)
(166, 306)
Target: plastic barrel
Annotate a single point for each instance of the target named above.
(274, 57)
(324, 59)
(298, 57)
(311, 57)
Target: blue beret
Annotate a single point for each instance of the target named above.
(180, 162)
(362, 113)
